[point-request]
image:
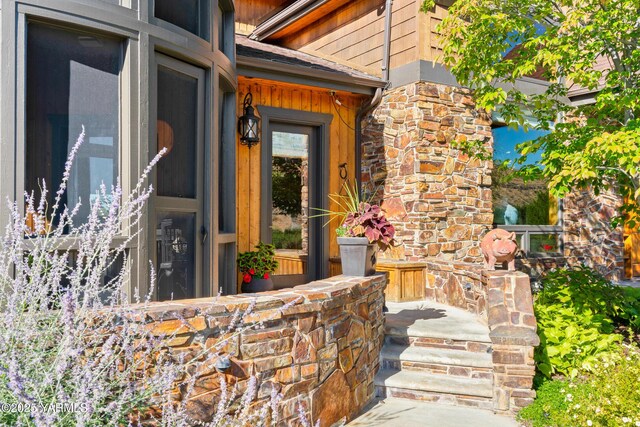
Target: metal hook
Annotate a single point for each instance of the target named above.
(344, 174)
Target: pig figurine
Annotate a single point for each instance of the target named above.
(499, 245)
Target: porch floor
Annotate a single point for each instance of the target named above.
(392, 412)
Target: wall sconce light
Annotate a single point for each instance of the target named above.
(248, 124)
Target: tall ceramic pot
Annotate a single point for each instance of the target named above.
(257, 285)
(358, 256)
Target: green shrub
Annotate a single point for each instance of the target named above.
(631, 307)
(575, 312)
(609, 397)
(287, 239)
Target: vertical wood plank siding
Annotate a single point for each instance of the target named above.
(341, 147)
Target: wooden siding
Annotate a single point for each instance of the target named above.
(250, 13)
(354, 35)
(341, 147)
(429, 38)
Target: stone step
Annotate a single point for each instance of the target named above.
(431, 320)
(440, 343)
(437, 360)
(435, 383)
(428, 387)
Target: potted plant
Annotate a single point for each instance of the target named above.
(363, 230)
(256, 268)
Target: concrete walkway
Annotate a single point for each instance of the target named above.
(392, 412)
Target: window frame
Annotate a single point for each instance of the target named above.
(168, 204)
(142, 37)
(525, 231)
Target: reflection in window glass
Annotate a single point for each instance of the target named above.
(178, 133)
(544, 243)
(221, 29)
(72, 81)
(175, 254)
(290, 190)
(516, 202)
(191, 15)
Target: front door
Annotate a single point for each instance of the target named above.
(291, 174)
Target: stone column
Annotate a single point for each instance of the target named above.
(512, 326)
(438, 198)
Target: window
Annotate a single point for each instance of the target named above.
(72, 81)
(98, 66)
(524, 207)
(190, 15)
(179, 226)
(226, 28)
(227, 189)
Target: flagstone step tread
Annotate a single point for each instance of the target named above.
(438, 356)
(422, 381)
(428, 319)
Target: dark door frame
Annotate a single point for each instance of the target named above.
(318, 235)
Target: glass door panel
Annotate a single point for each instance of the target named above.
(180, 235)
(176, 255)
(290, 146)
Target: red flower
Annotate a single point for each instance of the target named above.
(252, 271)
(246, 278)
(266, 275)
(547, 247)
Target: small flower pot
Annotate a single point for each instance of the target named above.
(257, 285)
(358, 256)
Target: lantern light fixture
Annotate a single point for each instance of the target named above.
(249, 124)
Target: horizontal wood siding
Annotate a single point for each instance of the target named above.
(341, 147)
(430, 44)
(354, 35)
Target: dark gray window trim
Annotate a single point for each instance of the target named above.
(322, 123)
(130, 20)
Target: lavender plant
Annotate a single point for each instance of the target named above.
(73, 350)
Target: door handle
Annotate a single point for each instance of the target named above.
(205, 234)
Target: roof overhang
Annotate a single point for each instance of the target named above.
(279, 23)
(294, 74)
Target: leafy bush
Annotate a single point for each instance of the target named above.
(575, 312)
(609, 397)
(631, 307)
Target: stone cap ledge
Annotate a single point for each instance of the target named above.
(310, 297)
(514, 335)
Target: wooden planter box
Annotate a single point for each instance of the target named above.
(407, 279)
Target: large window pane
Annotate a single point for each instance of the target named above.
(227, 164)
(72, 80)
(516, 202)
(191, 15)
(290, 191)
(175, 252)
(178, 133)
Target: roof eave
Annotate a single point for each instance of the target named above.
(255, 67)
(285, 18)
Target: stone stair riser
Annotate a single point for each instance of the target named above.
(435, 397)
(435, 368)
(473, 346)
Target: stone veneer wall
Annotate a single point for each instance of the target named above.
(512, 329)
(322, 352)
(438, 199)
(589, 238)
(458, 284)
